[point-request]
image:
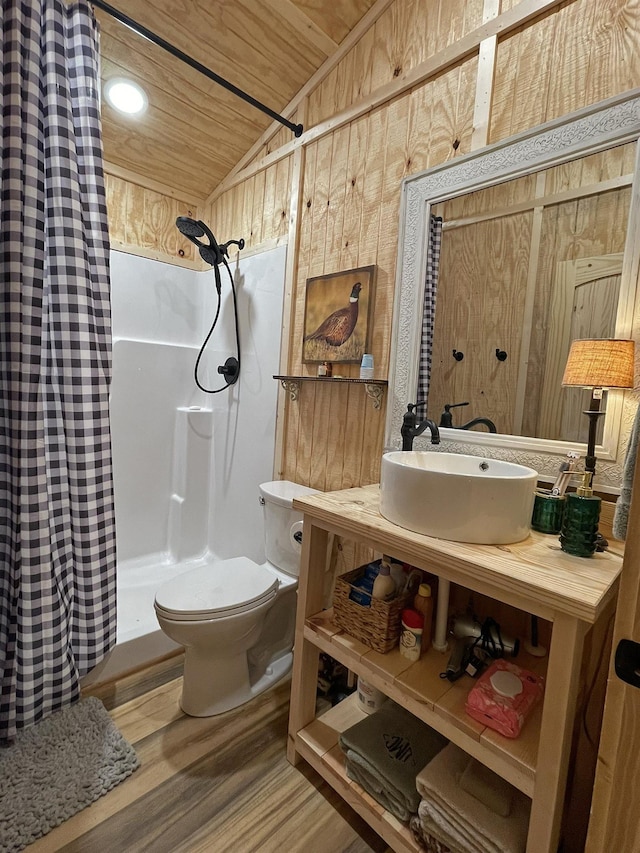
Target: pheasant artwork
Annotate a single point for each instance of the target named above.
(338, 327)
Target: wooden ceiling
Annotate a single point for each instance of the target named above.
(194, 131)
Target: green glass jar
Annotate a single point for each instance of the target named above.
(548, 512)
(580, 522)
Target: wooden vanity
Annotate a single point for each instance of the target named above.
(534, 576)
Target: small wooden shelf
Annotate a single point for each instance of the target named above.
(435, 700)
(318, 744)
(374, 388)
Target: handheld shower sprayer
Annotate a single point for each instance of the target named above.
(210, 252)
(214, 254)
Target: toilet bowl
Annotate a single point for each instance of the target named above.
(236, 618)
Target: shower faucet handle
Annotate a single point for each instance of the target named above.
(230, 370)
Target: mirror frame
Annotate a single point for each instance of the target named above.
(593, 129)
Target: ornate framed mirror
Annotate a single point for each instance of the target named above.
(540, 244)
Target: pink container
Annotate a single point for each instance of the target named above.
(503, 697)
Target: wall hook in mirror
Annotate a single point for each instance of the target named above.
(458, 355)
(501, 354)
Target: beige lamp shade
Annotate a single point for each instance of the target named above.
(600, 363)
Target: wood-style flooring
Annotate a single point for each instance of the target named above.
(208, 785)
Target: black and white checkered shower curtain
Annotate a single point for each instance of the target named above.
(429, 306)
(57, 527)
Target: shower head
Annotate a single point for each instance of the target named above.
(209, 255)
(194, 230)
(189, 227)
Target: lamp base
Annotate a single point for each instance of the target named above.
(593, 414)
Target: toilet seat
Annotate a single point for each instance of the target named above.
(216, 590)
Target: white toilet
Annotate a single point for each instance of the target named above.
(236, 618)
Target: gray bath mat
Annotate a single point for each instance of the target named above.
(57, 768)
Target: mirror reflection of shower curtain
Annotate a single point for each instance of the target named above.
(429, 306)
(57, 527)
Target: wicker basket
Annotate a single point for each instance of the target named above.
(377, 626)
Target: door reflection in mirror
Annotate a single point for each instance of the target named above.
(532, 263)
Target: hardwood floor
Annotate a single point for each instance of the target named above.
(208, 785)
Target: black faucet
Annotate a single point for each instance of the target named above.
(488, 423)
(412, 429)
(446, 419)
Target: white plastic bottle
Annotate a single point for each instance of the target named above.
(411, 636)
(369, 698)
(423, 603)
(398, 575)
(384, 586)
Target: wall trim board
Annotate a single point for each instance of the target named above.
(354, 36)
(156, 255)
(288, 307)
(573, 194)
(468, 45)
(199, 266)
(264, 246)
(487, 54)
(149, 184)
(529, 304)
(291, 268)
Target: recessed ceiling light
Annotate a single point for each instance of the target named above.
(125, 96)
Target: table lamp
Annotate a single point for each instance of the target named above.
(598, 364)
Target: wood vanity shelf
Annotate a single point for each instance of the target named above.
(374, 388)
(534, 576)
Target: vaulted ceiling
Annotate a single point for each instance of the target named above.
(194, 131)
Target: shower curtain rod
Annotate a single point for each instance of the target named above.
(174, 51)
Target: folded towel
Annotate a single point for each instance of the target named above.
(488, 787)
(426, 840)
(384, 753)
(432, 831)
(461, 820)
(393, 800)
(621, 513)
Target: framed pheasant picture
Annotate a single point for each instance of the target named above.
(337, 316)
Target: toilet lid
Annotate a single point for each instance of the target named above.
(219, 588)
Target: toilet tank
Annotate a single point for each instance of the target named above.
(281, 523)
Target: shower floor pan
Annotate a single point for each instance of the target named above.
(139, 640)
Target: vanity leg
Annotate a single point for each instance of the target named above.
(561, 695)
(304, 677)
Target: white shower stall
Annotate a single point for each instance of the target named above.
(187, 465)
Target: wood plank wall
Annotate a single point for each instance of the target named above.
(257, 209)
(142, 221)
(574, 53)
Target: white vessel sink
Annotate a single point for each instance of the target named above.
(457, 497)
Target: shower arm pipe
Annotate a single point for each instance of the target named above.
(141, 30)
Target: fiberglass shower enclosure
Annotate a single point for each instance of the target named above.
(187, 465)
